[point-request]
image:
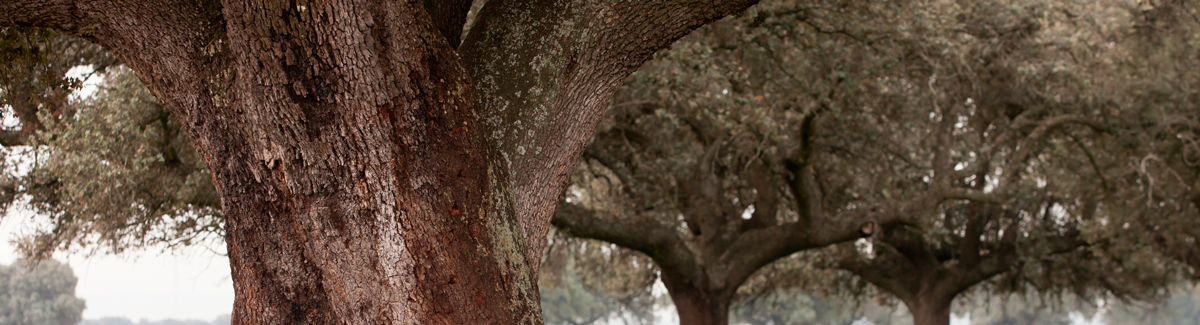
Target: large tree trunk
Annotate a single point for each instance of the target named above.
(370, 172)
(929, 310)
(358, 183)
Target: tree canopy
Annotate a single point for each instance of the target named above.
(41, 295)
(1004, 146)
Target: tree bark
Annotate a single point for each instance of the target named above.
(696, 306)
(370, 172)
(930, 310)
(357, 185)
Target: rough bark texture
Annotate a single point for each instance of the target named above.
(369, 172)
(546, 71)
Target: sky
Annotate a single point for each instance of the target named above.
(192, 283)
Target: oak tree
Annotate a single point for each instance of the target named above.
(998, 145)
(377, 162)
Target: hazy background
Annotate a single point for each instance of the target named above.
(191, 283)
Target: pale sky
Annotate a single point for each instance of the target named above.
(191, 283)
(188, 284)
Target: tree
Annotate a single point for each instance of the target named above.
(586, 280)
(373, 164)
(150, 187)
(35, 88)
(1018, 310)
(974, 135)
(41, 295)
(790, 306)
(571, 303)
(695, 169)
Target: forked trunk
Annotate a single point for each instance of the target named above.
(358, 187)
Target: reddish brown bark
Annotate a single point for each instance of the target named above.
(365, 165)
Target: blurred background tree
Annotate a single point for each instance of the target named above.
(587, 281)
(1182, 308)
(42, 295)
(1004, 146)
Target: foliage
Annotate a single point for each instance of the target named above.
(789, 306)
(109, 171)
(119, 173)
(1029, 146)
(585, 281)
(34, 86)
(1016, 309)
(1182, 308)
(43, 295)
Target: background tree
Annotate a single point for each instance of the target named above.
(1006, 135)
(43, 295)
(220, 320)
(1022, 310)
(694, 168)
(1182, 308)
(584, 282)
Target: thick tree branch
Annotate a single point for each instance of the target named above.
(659, 242)
(64, 15)
(756, 248)
(801, 179)
(888, 270)
(977, 219)
(596, 150)
(910, 243)
(9, 138)
(702, 198)
(546, 70)
(1007, 255)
